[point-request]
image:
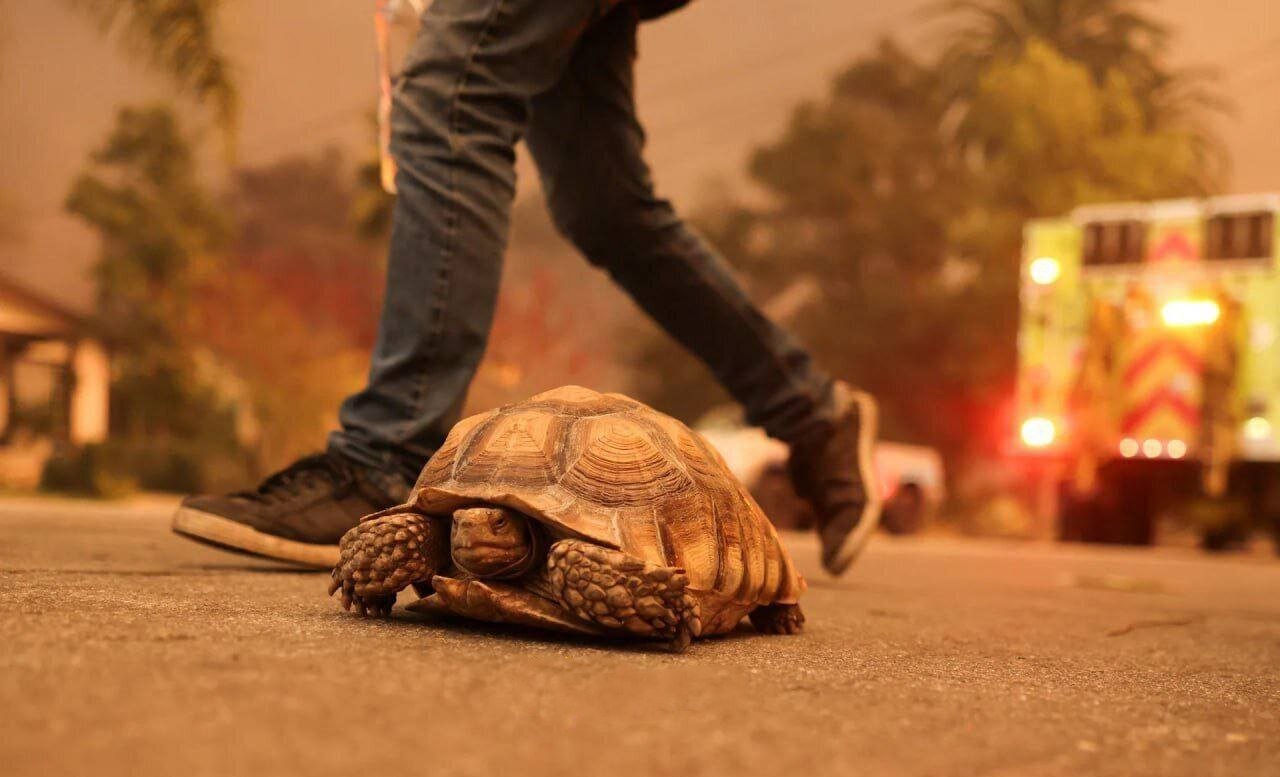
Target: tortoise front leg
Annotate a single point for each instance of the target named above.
(623, 593)
(383, 555)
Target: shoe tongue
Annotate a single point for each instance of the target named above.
(393, 486)
(319, 465)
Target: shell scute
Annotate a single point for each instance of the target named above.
(512, 449)
(693, 544)
(619, 466)
(440, 466)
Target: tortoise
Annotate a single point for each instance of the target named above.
(579, 512)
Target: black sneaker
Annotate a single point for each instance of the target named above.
(836, 475)
(297, 514)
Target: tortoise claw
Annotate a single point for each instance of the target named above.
(681, 641)
(375, 606)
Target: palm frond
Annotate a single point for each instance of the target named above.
(179, 39)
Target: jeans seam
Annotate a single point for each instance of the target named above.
(451, 216)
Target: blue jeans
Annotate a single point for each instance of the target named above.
(482, 75)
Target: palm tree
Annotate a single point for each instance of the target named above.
(179, 39)
(1106, 36)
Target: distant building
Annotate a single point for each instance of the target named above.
(54, 383)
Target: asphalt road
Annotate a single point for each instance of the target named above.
(127, 650)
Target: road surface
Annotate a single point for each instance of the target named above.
(130, 651)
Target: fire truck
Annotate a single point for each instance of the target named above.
(1148, 366)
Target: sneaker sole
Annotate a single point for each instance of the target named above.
(226, 534)
(856, 541)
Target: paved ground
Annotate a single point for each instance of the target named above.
(129, 651)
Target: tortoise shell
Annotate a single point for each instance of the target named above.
(606, 468)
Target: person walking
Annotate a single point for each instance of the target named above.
(481, 76)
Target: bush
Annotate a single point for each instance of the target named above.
(116, 469)
(86, 471)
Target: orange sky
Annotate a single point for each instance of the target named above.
(715, 80)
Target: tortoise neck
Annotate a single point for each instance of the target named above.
(537, 551)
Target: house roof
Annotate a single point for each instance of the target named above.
(26, 312)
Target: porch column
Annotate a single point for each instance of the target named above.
(7, 392)
(90, 369)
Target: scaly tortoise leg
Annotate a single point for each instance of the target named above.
(623, 593)
(777, 619)
(383, 555)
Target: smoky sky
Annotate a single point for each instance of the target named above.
(714, 81)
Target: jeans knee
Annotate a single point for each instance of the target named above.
(610, 226)
(419, 119)
(435, 133)
(450, 102)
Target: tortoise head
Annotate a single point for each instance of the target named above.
(494, 542)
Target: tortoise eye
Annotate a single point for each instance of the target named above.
(501, 523)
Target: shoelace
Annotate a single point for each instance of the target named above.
(302, 474)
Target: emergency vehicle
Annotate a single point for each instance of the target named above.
(1147, 359)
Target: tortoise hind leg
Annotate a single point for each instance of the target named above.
(622, 593)
(777, 619)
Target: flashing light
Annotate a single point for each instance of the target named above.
(1045, 270)
(1190, 312)
(1151, 448)
(1176, 449)
(1038, 432)
(1129, 447)
(1257, 429)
